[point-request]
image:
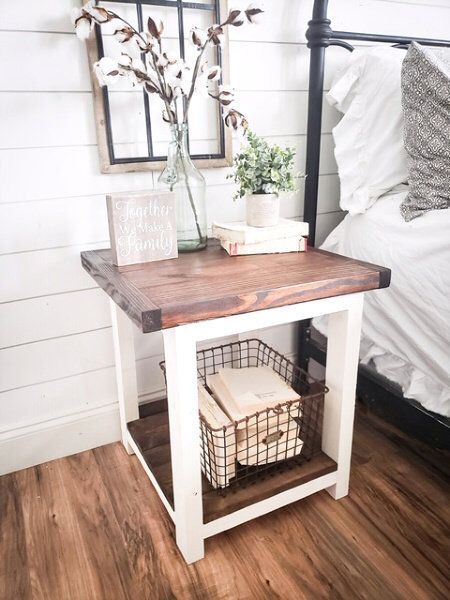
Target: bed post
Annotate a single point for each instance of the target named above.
(318, 35)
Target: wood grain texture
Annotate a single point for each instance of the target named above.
(151, 434)
(210, 284)
(50, 523)
(138, 307)
(91, 527)
(14, 569)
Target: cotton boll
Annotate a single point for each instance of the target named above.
(235, 17)
(254, 12)
(173, 62)
(213, 73)
(198, 36)
(138, 64)
(162, 60)
(235, 119)
(226, 95)
(145, 41)
(178, 75)
(107, 71)
(216, 35)
(125, 60)
(99, 14)
(83, 28)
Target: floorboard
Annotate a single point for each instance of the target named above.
(90, 527)
(14, 572)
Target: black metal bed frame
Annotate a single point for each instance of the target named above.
(378, 393)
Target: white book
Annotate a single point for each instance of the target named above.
(242, 233)
(218, 448)
(210, 410)
(281, 246)
(247, 390)
(267, 437)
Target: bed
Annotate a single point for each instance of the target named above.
(404, 373)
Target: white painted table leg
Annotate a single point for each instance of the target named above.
(125, 370)
(181, 373)
(344, 332)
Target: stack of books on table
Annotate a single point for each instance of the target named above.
(239, 238)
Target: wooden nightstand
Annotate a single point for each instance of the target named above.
(206, 295)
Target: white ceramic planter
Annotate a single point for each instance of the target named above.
(263, 210)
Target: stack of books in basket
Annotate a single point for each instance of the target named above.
(247, 419)
(239, 238)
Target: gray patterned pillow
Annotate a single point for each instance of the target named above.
(426, 109)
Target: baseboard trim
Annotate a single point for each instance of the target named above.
(32, 444)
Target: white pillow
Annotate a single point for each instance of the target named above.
(368, 140)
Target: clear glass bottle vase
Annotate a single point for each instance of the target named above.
(182, 177)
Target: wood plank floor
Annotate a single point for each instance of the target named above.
(90, 527)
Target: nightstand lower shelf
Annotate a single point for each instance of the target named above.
(151, 436)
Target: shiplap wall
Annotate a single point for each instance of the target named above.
(57, 386)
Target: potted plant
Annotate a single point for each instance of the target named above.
(145, 62)
(262, 172)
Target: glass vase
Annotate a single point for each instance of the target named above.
(182, 177)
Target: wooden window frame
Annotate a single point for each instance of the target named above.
(104, 139)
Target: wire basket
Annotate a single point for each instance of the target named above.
(267, 441)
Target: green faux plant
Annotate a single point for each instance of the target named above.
(263, 169)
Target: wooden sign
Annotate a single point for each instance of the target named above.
(142, 227)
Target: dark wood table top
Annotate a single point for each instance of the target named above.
(210, 283)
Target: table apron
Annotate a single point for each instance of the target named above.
(268, 317)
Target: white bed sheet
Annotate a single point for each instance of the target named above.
(406, 327)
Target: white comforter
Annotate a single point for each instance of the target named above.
(406, 327)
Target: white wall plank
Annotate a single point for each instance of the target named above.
(427, 19)
(73, 395)
(46, 119)
(59, 173)
(66, 119)
(56, 358)
(45, 15)
(278, 66)
(38, 403)
(43, 62)
(37, 319)
(32, 274)
(60, 357)
(287, 111)
(52, 223)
